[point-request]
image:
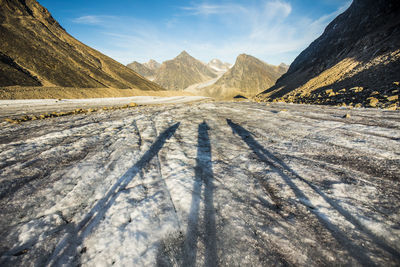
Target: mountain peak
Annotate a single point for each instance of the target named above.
(244, 57)
(182, 71)
(184, 54)
(152, 65)
(152, 61)
(248, 76)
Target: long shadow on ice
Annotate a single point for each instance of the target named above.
(358, 252)
(203, 178)
(77, 233)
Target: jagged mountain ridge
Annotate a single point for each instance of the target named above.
(218, 65)
(36, 51)
(358, 50)
(183, 71)
(247, 77)
(152, 65)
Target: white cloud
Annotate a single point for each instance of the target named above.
(93, 20)
(212, 9)
(273, 33)
(278, 8)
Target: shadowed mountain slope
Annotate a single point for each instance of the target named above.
(182, 71)
(36, 51)
(248, 77)
(355, 61)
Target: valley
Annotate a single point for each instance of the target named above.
(162, 153)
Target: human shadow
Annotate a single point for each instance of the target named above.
(288, 174)
(203, 178)
(76, 233)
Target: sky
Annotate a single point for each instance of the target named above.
(274, 31)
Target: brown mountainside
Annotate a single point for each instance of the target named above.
(247, 77)
(182, 71)
(35, 50)
(356, 61)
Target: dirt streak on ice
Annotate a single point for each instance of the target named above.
(202, 184)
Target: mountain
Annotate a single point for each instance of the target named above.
(182, 71)
(152, 65)
(247, 77)
(147, 70)
(218, 66)
(141, 69)
(36, 51)
(356, 61)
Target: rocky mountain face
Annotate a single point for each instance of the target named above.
(218, 65)
(247, 77)
(355, 62)
(152, 65)
(36, 51)
(182, 71)
(141, 69)
(147, 70)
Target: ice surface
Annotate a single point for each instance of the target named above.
(202, 184)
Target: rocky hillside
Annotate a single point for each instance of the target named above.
(36, 51)
(218, 65)
(355, 62)
(247, 77)
(182, 71)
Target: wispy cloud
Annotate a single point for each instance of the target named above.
(94, 20)
(212, 9)
(272, 31)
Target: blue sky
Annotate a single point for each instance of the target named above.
(273, 30)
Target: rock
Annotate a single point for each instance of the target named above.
(357, 89)
(11, 120)
(347, 116)
(393, 98)
(392, 107)
(375, 93)
(373, 101)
